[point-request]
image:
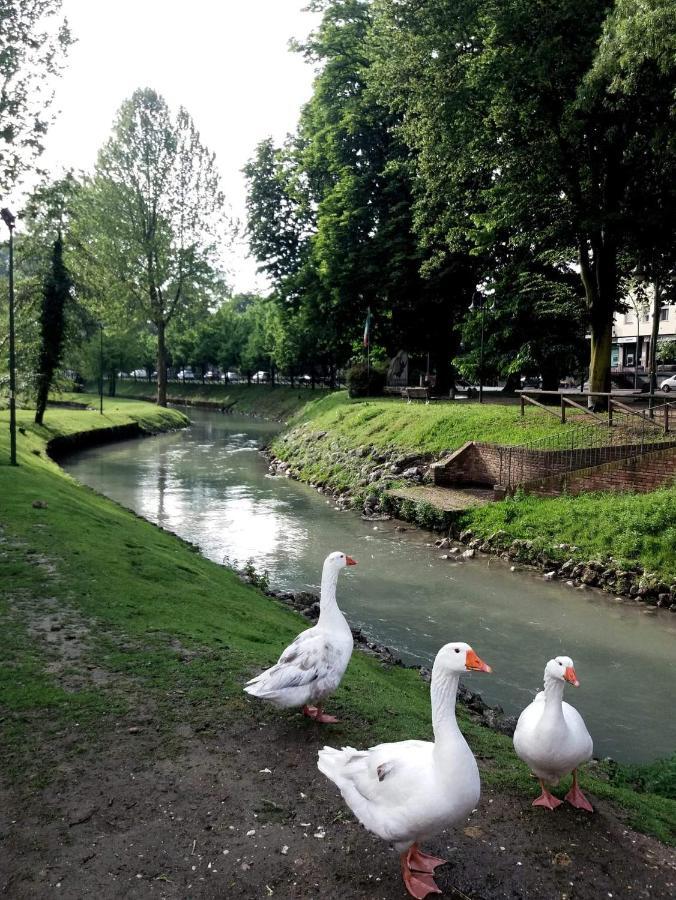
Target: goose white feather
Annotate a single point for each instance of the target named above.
(311, 668)
(408, 791)
(551, 736)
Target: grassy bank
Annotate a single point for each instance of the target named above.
(279, 403)
(632, 528)
(170, 622)
(320, 448)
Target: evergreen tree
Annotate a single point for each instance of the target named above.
(57, 292)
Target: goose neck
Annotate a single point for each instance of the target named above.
(443, 691)
(328, 606)
(553, 698)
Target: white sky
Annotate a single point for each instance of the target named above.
(227, 62)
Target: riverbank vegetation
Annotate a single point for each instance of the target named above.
(280, 404)
(337, 443)
(58, 542)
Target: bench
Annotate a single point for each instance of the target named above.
(416, 393)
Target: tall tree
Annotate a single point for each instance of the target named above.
(33, 43)
(153, 214)
(57, 293)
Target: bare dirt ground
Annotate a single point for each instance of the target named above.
(231, 805)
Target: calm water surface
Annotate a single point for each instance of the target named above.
(210, 485)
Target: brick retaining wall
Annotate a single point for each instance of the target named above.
(638, 473)
(490, 464)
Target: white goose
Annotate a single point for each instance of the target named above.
(409, 791)
(551, 736)
(312, 666)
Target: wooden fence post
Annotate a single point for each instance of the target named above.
(563, 408)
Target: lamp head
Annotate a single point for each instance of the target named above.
(8, 218)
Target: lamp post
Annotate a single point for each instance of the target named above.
(100, 324)
(9, 219)
(481, 305)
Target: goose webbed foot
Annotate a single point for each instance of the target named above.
(575, 796)
(546, 799)
(318, 715)
(417, 869)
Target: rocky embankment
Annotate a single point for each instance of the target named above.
(307, 604)
(605, 574)
(359, 477)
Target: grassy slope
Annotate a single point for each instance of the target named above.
(278, 403)
(146, 588)
(420, 428)
(631, 528)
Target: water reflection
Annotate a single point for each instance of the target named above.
(210, 485)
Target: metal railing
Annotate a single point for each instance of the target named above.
(584, 446)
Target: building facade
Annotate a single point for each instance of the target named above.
(631, 335)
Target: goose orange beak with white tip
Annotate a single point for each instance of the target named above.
(571, 677)
(349, 561)
(472, 661)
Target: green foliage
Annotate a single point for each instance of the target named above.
(150, 218)
(364, 380)
(652, 778)
(666, 352)
(57, 294)
(629, 527)
(32, 47)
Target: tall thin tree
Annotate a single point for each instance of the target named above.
(56, 294)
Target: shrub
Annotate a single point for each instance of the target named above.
(362, 382)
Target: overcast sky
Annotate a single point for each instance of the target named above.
(226, 61)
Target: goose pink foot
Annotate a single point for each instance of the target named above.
(316, 713)
(576, 798)
(422, 862)
(419, 883)
(549, 801)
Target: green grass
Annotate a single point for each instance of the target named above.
(147, 590)
(279, 403)
(629, 527)
(420, 428)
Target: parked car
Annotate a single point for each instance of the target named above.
(669, 384)
(186, 375)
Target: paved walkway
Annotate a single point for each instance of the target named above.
(445, 498)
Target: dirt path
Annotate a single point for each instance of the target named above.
(240, 810)
(170, 800)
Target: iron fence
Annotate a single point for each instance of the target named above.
(582, 446)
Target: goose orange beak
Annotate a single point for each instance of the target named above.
(472, 661)
(571, 677)
(350, 562)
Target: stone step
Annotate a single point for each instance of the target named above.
(446, 498)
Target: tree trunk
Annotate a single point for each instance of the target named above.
(41, 400)
(512, 384)
(657, 308)
(600, 283)
(161, 365)
(112, 383)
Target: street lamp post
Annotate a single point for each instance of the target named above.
(100, 324)
(9, 219)
(482, 308)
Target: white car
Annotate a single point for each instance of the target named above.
(669, 384)
(186, 375)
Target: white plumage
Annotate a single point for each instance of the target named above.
(408, 791)
(551, 736)
(311, 668)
